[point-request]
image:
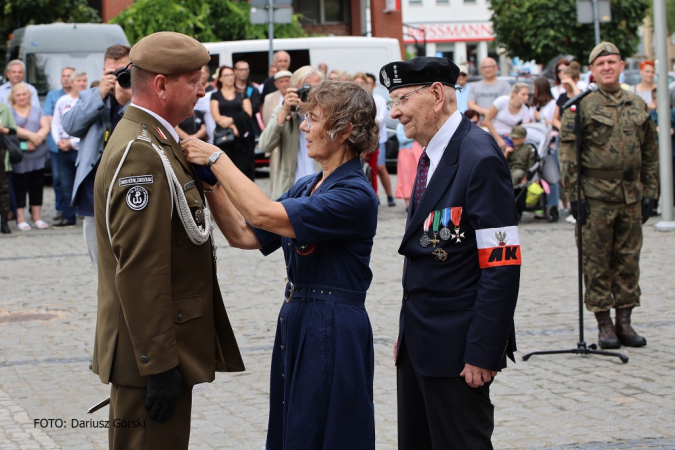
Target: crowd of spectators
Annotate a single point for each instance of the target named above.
(254, 117)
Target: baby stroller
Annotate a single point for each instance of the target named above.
(531, 196)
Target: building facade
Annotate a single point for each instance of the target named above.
(457, 29)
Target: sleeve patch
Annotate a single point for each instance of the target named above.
(498, 247)
(139, 179)
(137, 198)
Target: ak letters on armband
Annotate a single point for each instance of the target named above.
(498, 247)
(442, 230)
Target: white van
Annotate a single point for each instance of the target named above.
(47, 49)
(345, 53)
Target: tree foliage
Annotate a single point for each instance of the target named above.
(19, 13)
(670, 15)
(216, 20)
(540, 30)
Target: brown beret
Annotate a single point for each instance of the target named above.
(603, 49)
(169, 53)
(518, 132)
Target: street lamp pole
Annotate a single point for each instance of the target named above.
(596, 21)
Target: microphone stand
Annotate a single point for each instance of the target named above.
(582, 348)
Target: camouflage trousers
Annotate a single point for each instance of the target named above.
(612, 240)
(4, 184)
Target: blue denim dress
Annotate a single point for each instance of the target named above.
(321, 385)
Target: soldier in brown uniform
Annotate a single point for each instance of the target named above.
(162, 326)
(619, 184)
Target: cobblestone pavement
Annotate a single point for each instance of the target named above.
(48, 307)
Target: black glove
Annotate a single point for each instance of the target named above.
(163, 390)
(648, 207)
(580, 210)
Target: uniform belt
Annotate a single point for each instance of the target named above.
(304, 292)
(627, 175)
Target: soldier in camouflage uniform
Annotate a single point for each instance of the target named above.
(521, 156)
(619, 184)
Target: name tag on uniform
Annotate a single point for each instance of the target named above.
(189, 186)
(139, 179)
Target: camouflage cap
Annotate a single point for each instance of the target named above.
(169, 53)
(603, 49)
(518, 132)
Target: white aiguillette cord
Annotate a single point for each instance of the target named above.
(198, 235)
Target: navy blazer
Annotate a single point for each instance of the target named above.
(461, 310)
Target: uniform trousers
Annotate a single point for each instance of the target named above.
(127, 407)
(441, 413)
(612, 240)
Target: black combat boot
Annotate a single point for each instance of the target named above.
(625, 331)
(4, 226)
(607, 336)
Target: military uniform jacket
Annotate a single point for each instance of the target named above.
(460, 310)
(159, 304)
(617, 135)
(522, 157)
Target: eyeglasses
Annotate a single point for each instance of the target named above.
(403, 98)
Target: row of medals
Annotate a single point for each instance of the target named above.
(445, 234)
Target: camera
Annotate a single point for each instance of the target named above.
(124, 76)
(302, 92)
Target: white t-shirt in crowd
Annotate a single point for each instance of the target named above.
(546, 112)
(504, 121)
(62, 106)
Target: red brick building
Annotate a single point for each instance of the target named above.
(323, 17)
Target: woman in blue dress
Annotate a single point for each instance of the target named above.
(321, 387)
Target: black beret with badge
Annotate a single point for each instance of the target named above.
(169, 53)
(419, 71)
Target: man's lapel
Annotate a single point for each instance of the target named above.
(163, 136)
(441, 179)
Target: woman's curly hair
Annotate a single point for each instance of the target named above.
(342, 103)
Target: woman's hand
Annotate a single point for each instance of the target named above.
(197, 151)
(35, 139)
(225, 121)
(500, 142)
(235, 130)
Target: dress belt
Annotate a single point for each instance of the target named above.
(305, 292)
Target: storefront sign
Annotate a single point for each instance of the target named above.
(449, 32)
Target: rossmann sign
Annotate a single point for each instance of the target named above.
(449, 32)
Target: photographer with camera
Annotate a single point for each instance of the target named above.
(290, 162)
(93, 119)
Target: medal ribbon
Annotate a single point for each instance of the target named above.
(456, 215)
(445, 219)
(427, 222)
(437, 221)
